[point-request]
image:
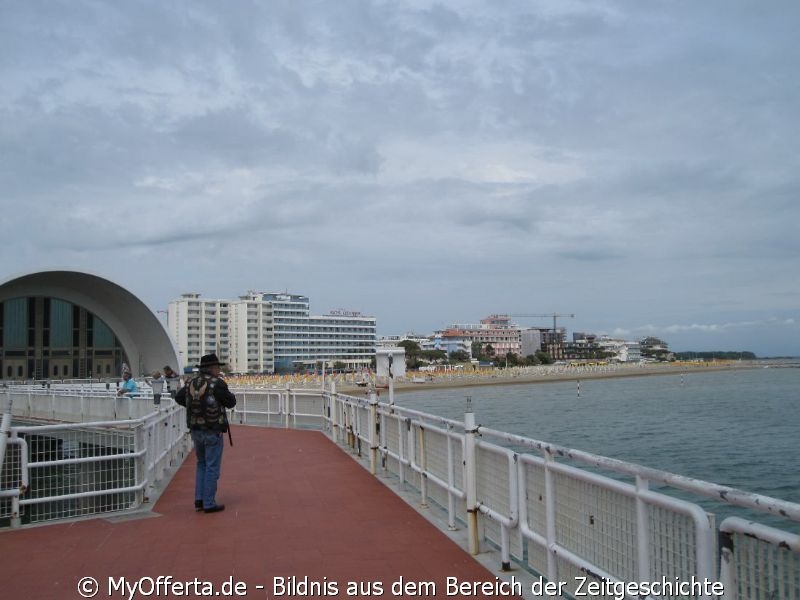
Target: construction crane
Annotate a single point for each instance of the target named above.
(555, 317)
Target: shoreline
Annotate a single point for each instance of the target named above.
(553, 376)
(346, 383)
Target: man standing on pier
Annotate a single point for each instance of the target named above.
(206, 396)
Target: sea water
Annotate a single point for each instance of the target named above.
(739, 428)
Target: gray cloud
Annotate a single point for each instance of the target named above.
(426, 162)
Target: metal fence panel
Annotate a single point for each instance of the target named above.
(70, 467)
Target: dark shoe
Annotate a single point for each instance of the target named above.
(198, 505)
(215, 508)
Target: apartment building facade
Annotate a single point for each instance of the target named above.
(269, 332)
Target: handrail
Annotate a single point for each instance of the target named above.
(715, 491)
(412, 440)
(151, 442)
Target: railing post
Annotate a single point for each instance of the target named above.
(140, 464)
(383, 443)
(286, 407)
(423, 467)
(451, 499)
(334, 418)
(373, 434)
(642, 530)
(331, 396)
(5, 427)
(471, 478)
(401, 471)
(727, 570)
(550, 516)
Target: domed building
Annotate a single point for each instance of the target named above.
(68, 324)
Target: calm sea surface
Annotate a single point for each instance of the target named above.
(735, 428)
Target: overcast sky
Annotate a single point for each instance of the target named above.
(634, 163)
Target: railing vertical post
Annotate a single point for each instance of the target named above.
(140, 464)
(550, 516)
(334, 418)
(331, 397)
(5, 427)
(451, 499)
(423, 464)
(642, 530)
(383, 443)
(727, 569)
(401, 471)
(294, 409)
(373, 434)
(471, 478)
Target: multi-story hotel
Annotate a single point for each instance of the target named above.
(496, 331)
(269, 332)
(200, 326)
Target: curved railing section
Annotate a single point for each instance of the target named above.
(51, 471)
(578, 519)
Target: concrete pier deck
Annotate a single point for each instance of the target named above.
(296, 507)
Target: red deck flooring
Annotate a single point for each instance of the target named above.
(297, 506)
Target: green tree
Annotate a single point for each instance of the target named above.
(477, 350)
(412, 353)
(459, 356)
(544, 358)
(411, 347)
(433, 355)
(532, 360)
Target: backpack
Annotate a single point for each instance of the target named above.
(202, 408)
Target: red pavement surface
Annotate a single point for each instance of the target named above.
(297, 506)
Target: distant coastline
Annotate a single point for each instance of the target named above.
(535, 375)
(414, 381)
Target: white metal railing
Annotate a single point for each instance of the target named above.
(560, 512)
(54, 471)
(570, 514)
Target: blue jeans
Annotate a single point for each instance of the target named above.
(208, 447)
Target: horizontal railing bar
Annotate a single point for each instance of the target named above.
(86, 459)
(92, 494)
(721, 493)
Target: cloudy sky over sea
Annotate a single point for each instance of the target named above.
(634, 163)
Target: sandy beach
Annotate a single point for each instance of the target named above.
(414, 381)
(533, 375)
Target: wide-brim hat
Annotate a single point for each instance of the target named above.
(210, 360)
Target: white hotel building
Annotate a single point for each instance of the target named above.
(263, 333)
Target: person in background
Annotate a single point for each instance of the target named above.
(206, 396)
(128, 387)
(157, 384)
(173, 380)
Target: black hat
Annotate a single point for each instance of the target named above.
(209, 360)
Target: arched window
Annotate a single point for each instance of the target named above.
(66, 370)
(108, 369)
(10, 371)
(19, 371)
(55, 370)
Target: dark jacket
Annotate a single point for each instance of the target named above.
(221, 393)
